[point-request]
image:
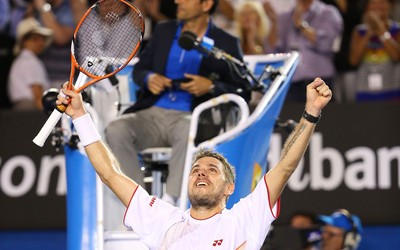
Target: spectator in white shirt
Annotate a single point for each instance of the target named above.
(28, 77)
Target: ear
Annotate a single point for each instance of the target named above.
(230, 188)
(206, 5)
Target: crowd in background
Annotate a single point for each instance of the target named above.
(354, 45)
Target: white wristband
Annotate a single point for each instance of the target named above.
(86, 130)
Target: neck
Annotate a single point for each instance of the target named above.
(198, 25)
(201, 213)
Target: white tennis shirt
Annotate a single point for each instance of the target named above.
(163, 226)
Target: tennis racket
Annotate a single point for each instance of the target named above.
(107, 37)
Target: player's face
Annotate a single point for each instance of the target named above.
(207, 183)
(190, 9)
(332, 238)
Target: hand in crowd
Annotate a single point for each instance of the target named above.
(375, 24)
(39, 4)
(157, 83)
(298, 14)
(269, 10)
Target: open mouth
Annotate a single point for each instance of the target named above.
(201, 184)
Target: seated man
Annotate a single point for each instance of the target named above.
(172, 83)
(207, 223)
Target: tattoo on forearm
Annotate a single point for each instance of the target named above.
(293, 138)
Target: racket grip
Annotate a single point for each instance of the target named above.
(51, 122)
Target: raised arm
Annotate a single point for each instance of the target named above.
(102, 159)
(318, 96)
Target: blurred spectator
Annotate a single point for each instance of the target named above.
(4, 13)
(18, 11)
(303, 220)
(225, 14)
(375, 48)
(79, 8)
(310, 28)
(257, 33)
(307, 226)
(303, 230)
(28, 77)
(160, 10)
(254, 28)
(155, 11)
(341, 230)
(58, 16)
(344, 87)
(395, 12)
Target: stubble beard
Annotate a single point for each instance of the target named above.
(206, 201)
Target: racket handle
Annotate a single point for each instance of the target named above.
(51, 122)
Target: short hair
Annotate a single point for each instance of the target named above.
(229, 170)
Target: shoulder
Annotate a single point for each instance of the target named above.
(26, 59)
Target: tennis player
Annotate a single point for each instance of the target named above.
(207, 224)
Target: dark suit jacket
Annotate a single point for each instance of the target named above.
(154, 59)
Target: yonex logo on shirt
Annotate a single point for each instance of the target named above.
(217, 243)
(152, 201)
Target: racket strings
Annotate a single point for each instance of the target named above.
(108, 36)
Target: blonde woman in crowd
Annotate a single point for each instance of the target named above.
(255, 29)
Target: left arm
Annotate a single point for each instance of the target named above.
(318, 96)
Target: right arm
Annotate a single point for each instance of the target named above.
(318, 96)
(102, 159)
